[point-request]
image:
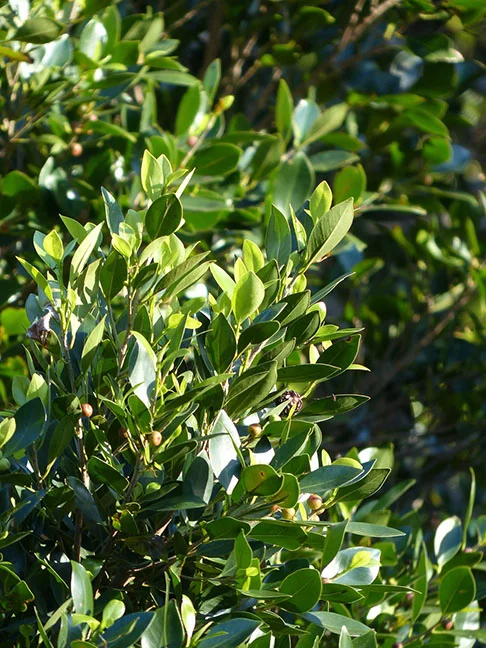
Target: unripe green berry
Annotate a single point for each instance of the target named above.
(288, 513)
(4, 464)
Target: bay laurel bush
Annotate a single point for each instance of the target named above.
(164, 480)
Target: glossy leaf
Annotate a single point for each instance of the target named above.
(304, 587)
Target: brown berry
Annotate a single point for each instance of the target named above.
(294, 401)
(123, 433)
(76, 149)
(397, 644)
(155, 438)
(288, 513)
(191, 140)
(87, 410)
(447, 624)
(314, 502)
(255, 431)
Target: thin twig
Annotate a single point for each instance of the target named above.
(373, 17)
(353, 21)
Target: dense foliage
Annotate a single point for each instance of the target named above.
(163, 425)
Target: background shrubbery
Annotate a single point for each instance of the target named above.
(384, 101)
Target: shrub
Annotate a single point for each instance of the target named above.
(381, 100)
(163, 477)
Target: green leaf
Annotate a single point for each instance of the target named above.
(7, 430)
(323, 409)
(345, 640)
(342, 353)
(304, 586)
(288, 495)
(107, 128)
(13, 55)
(447, 540)
(293, 183)
(211, 79)
(283, 110)
(426, 122)
(366, 487)
(152, 176)
(457, 589)
(252, 256)
(257, 333)
(17, 183)
(142, 368)
(327, 478)
(216, 159)
(328, 121)
(250, 388)
(125, 632)
(329, 231)
(278, 240)
(29, 423)
(334, 622)
(221, 343)
(38, 30)
(223, 279)
(81, 589)
(279, 533)
(228, 634)
(349, 183)
(53, 245)
(112, 611)
(165, 629)
(84, 499)
(420, 584)
(40, 280)
(304, 116)
(102, 472)
(267, 158)
(261, 479)
(306, 373)
(191, 107)
(92, 344)
(83, 253)
(247, 296)
(243, 552)
(223, 454)
(113, 275)
(321, 201)
(330, 160)
(226, 527)
(373, 530)
(164, 216)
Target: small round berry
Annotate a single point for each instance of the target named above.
(409, 597)
(4, 464)
(156, 438)
(288, 513)
(191, 140)
(76, 149)
(447, 624)
(123, 433)
(314, 502)
(397, 644)
(255, 431)
(87, 410)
